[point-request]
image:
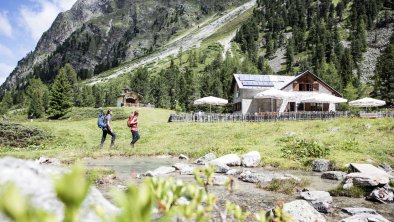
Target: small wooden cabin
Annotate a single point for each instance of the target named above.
(128, 98)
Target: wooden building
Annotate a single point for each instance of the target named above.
(304, 85)
(128, 99)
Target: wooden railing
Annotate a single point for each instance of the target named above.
(380, 114)
(259, 117)
(138, 105)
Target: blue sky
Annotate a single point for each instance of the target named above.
(22, 23)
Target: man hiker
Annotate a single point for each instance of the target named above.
(133, 124)
(107, 129)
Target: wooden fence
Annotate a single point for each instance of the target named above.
(261, 117)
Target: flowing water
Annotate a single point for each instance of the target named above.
(247, 195)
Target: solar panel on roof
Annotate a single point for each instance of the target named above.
(244, 77)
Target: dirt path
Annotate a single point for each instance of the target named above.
(186, 42)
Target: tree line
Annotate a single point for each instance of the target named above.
(327, 39)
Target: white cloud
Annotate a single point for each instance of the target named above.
(39, 19)
(5, 51)
(5, 26)
(5, 71)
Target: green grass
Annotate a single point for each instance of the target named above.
(286, 186)
(79, 137)
(93, 175)
(229, 28)
(355, 191)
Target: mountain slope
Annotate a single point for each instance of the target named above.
(96, 35)
(193, 39)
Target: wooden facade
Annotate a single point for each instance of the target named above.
(304, 85)
(128, 99)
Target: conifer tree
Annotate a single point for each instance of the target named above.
(87, 97)
(36, 92)
(384, 75)
(73, 79)
(61, 99)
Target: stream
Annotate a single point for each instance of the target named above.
(247, 195)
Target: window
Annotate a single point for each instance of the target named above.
(237, 92)
(305, 87)
(237, 107)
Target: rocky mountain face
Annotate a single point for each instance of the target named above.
(96, 35)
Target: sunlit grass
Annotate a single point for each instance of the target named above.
(351, 141)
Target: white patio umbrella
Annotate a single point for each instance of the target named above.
(324, 98)
(367, 102)
(211, 100)
(274, 94)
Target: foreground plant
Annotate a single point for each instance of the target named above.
(158, 199)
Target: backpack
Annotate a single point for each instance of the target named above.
(129, 121)
(101, 123)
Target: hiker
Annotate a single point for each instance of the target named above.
(133, 124)
(107, 129)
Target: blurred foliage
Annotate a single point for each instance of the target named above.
(162, 199)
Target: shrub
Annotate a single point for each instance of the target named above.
(349, 145)
(301, 149)
(20, 136)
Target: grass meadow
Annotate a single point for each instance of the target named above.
(77, 136)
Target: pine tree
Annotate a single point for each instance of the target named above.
(61, 99)
(346, 67)
(87, 97)
(73, 79)
(289, 56)
(329, 74)
(6, 102)
(384, 75)
(99, 96)
(37, 92)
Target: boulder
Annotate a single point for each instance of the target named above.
(359, 210)
(187, 171)
(321, 165)
(220, 167)
(250, 177)
(160, 171)
(368, 180)
(382, 194)
(180, 166)
(47, 160)
(229, 160)
(184, 169)
(251, 159)
(368, 169)
(365, 217)
(320, 200)
(219, 180)
(205, 159)
(333, 175)
(348, 184)
(35, 181)
(255, 177)
(232, 172)
(302, 211)
(386, 167)
(183, 157)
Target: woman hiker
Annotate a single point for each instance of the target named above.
(108, 130)
(133, 124)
